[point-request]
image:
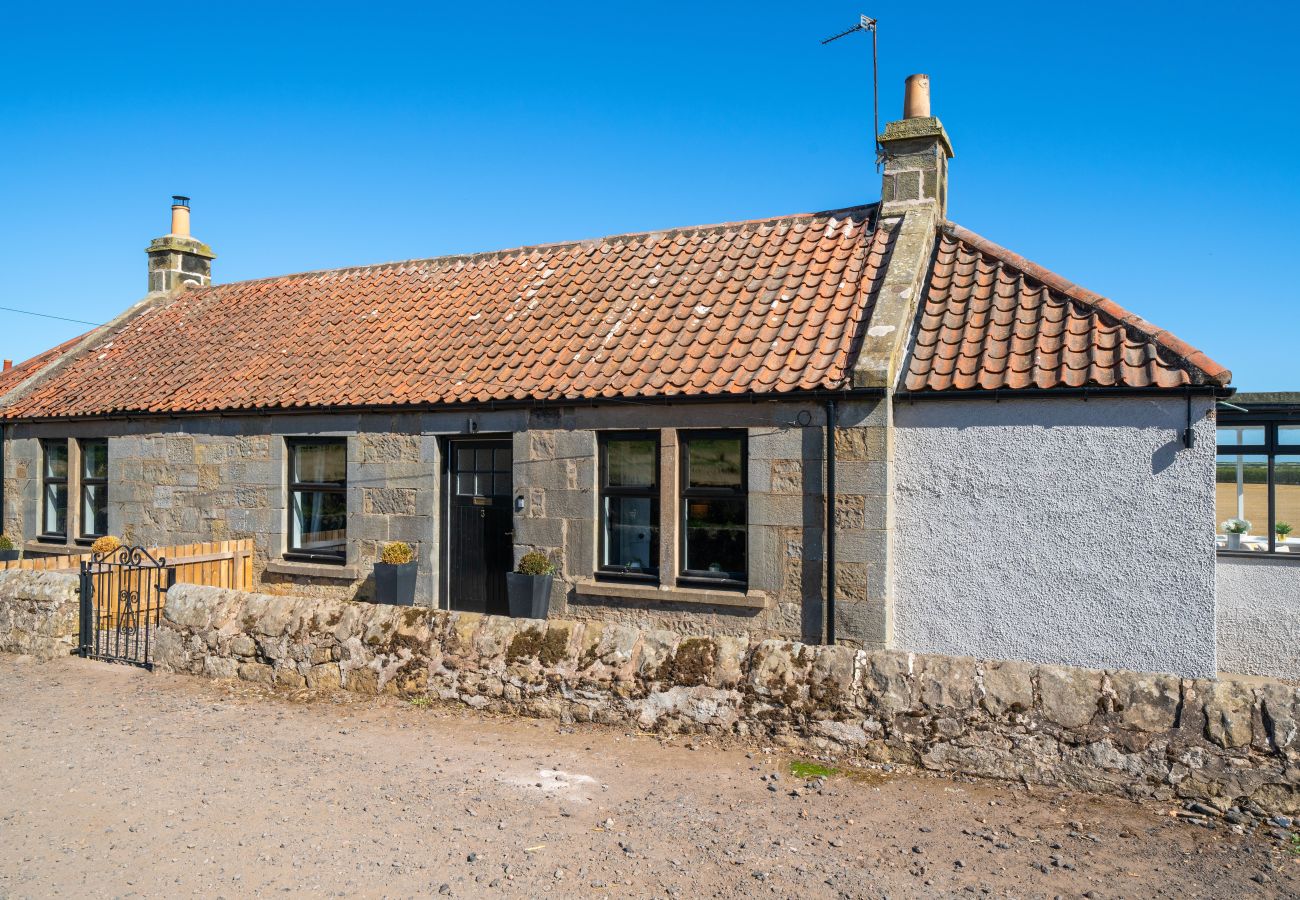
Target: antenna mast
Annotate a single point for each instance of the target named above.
(866, 23)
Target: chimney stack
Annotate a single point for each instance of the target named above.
(177, 258)
(916, 151)
(9, 364)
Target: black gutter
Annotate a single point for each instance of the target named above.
(479, 406)
(830, 521)
(1047, 393)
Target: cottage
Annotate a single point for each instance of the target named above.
(869, 426)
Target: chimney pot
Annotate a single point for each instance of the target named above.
(180, 216)
(9, 364)
(916, 97)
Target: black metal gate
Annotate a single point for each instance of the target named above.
(122, 595)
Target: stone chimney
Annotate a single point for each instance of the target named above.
(177, 258)
(916, 153)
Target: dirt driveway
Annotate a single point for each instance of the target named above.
(114, 782)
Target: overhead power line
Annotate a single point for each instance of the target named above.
(28, 312)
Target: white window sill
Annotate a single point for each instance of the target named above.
(588, 587)
(311, 570)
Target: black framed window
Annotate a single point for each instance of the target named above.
(318, 501)
(714, 507)
(1257, 486)
(629, 505)
(94, 487)
(54, 489)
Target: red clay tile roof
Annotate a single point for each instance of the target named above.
(765, 306)
(992, 320)
(24, 370)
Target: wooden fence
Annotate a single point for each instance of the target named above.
(226, 564)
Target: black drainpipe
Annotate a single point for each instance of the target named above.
(830, 521)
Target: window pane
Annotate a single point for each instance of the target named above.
(320, 521)
(501, 485)
(56, 459)
(1240, 435)
(56, 509)
(465, 484)
(94, 459)
(464, 460)
(630, 463)
(1288, 435)
(714, 462)
(501, 460)
(632, 534)
(715, 536)
(321, 462)
(483, 460)
(94, 509)
(1241, 492)
(1286, 494)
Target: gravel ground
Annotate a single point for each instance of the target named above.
(115, 782)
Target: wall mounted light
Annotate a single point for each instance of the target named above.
(519, 503)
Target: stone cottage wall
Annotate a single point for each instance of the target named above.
(555, 462)
(1259, 615)
(1227, 743)
(209, 479)
(197, 479)
(1066, 531)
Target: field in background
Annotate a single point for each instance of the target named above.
(1288, 505)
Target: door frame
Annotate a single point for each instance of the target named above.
(449, 443)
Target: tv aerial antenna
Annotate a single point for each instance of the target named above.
(866, 23)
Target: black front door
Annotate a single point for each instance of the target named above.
(480, 545)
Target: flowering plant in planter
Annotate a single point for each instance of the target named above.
(7, 550)
(398, 553)
(528, 588)
(1283, 530)
(105, 545)
(1234, 529)
(395, 575)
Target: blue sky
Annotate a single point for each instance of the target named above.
(1142, 150)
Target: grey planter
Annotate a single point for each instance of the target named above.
(9, 555)
(530, 595)
(395, 584)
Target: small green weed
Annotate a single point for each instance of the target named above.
(802, 768)
(420, 702)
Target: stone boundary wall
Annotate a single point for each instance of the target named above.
(1259, 615)
(1227, 743)
(38, 612)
